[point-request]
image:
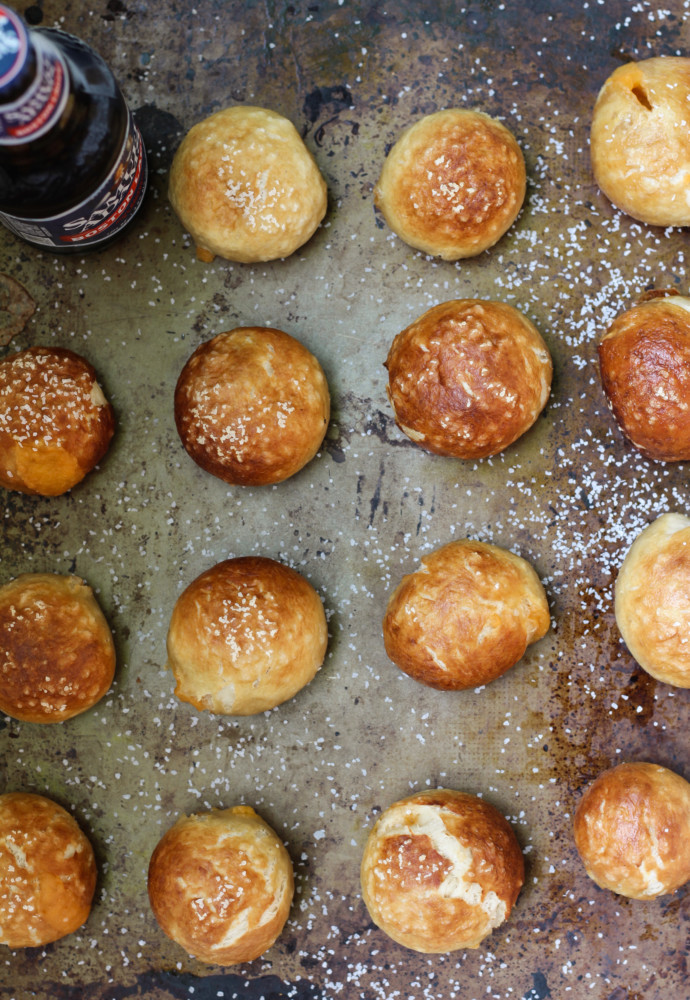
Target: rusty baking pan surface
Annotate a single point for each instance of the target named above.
(569, 496)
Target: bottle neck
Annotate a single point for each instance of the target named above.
(34, 81)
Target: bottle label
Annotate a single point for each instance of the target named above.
(100, 216)
(41, 105)
(14, 46)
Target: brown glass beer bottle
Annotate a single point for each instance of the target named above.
(72, 161)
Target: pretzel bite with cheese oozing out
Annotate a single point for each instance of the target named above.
(465, 616)
(644, 359)
(55, 422)
(57, 655)
(220, 884)
(640, 141)
(468, 378)
(245, 636)
(252, 406)
(652, 599)
(47, 871)
(632, 830)
(245, 186)
(453, 183)
(441, 870)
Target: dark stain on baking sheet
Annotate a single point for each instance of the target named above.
(540, 990)
(181, 986)
(16, 308)
(324, 105)
(161, 132)
(262, 988)
(116, 9)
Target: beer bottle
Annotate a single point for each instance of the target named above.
(72, 161)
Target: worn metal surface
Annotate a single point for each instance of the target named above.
(570, 496)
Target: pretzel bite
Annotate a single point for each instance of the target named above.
(440, 871)
(246, 187)
(452, 184)
(465, 616)
(252, 406)
(55, 422)
(47, 871)
(220, 884)
(57, 656)
(245, 636)
(468, 378)
(644, 359)
(632, 830)
(640, 142)
(652, 599)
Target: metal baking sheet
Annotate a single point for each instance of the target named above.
(570, 496)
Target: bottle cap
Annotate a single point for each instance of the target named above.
(14, 46)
